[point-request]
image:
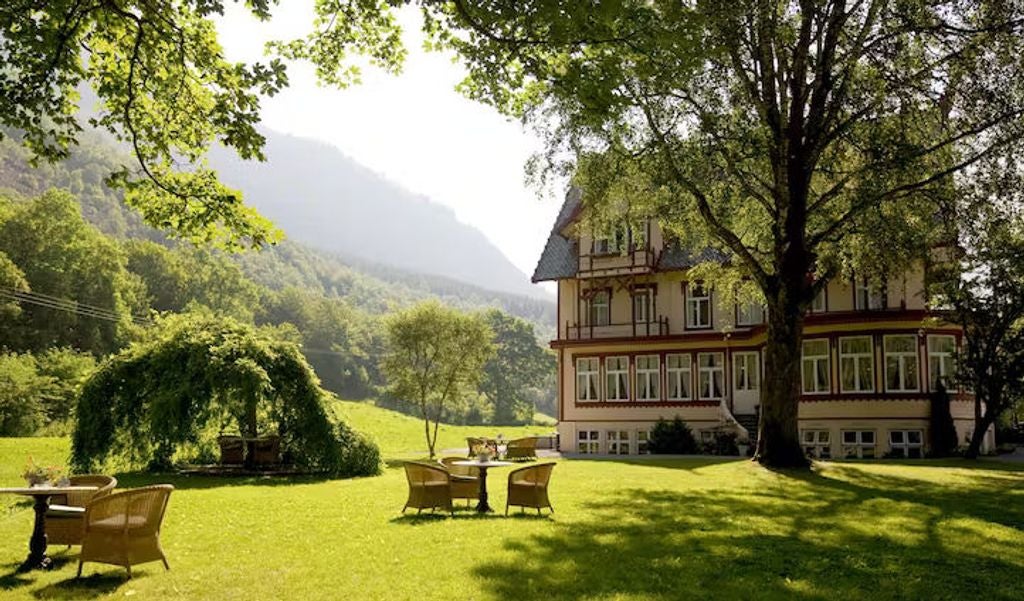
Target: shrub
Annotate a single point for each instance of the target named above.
(23, 391)
(672, 438)
(723, 442)
(943, 432)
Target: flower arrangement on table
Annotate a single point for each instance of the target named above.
(483, 451)
(40, 475)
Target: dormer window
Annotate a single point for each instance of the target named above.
(612, 243)
(698, 306)
(749, 314)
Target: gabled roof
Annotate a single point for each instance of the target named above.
(560, 258)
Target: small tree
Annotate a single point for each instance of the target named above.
(435, 358)
(943, 432)
(672, 438)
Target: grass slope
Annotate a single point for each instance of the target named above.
(625, 530)
(401, 436)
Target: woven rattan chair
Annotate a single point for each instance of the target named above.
(65, 517)
(267, 451)
(123, 528)
(232, 450)
(429, 487)
(465, 479)
(528, 487)
(521, 448)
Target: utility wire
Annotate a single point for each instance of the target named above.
(66, 305)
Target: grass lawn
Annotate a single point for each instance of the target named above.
(650, 529)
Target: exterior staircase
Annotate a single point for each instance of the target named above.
(749, 421)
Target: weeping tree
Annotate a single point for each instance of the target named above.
(200, 373)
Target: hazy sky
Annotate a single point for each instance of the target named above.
(413, 128)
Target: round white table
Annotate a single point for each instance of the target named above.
(37, 558)
(482, 506)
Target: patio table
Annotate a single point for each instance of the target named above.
(482, 505)
(37, 558)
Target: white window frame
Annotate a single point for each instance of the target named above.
(587, 368)
(682, 375)
(905, 447)
(645, 296)
(941, 363)
(902, 358)
(694, 303)
(813, 361)
(817, 443)
(857, 358)
(616, 443)
(746, 371)
(648, 379)
(616, 381)
(858, 448)
(749, 314)
(710, 372)
(592, 308)
(864, 299)
(820, 302)
(588, 442)
(643, 439)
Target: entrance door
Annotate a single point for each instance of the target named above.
(746, 382)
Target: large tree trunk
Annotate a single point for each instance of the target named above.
(778, 440)
(983, 420)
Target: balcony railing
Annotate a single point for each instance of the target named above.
(575, 331)
(638, 260)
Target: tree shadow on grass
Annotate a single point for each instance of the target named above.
(86, 587)
(850, 534)
(196, 481)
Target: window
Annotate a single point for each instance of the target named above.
(820, 302)
(814, 367)
(616, 373)
(711, 375)
(642, 438)
(677, 368)
(867, 297)
(746, 375)
(589, 442)
(618, 442)
(587, 380)
(698, 306)
(901, 363)
(642, 305)
(648, 378)
(941, 353)
(908, 444)
(859, 444)
(856, 364)
(817, 443)
(611, 243)
(600, 312)
(749, 314)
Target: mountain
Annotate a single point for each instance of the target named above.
(326, 200)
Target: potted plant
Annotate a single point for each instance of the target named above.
(39, 475)
(483, 452)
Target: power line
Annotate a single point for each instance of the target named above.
(68, 306)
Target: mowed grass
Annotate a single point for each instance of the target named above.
(624, 530)
(402, 436)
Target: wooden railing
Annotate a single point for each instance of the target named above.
(636, 329)
(633, 261)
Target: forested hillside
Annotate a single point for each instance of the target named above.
(81, 277)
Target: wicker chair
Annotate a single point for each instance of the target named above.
(232, 450)
(124, 528)
(521, 448)
(64, 518)
(465, 479)
(528, 487)
(266, 451)
(429, 487)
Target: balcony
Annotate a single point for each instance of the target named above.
(636, 261)
(641, 329)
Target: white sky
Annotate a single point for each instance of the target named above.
(415, 129)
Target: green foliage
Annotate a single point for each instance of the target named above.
(518, 364)
(60, 255)
(22, 395)
(434, 359)
(200, 371)
(672, 438)
(68, 370)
